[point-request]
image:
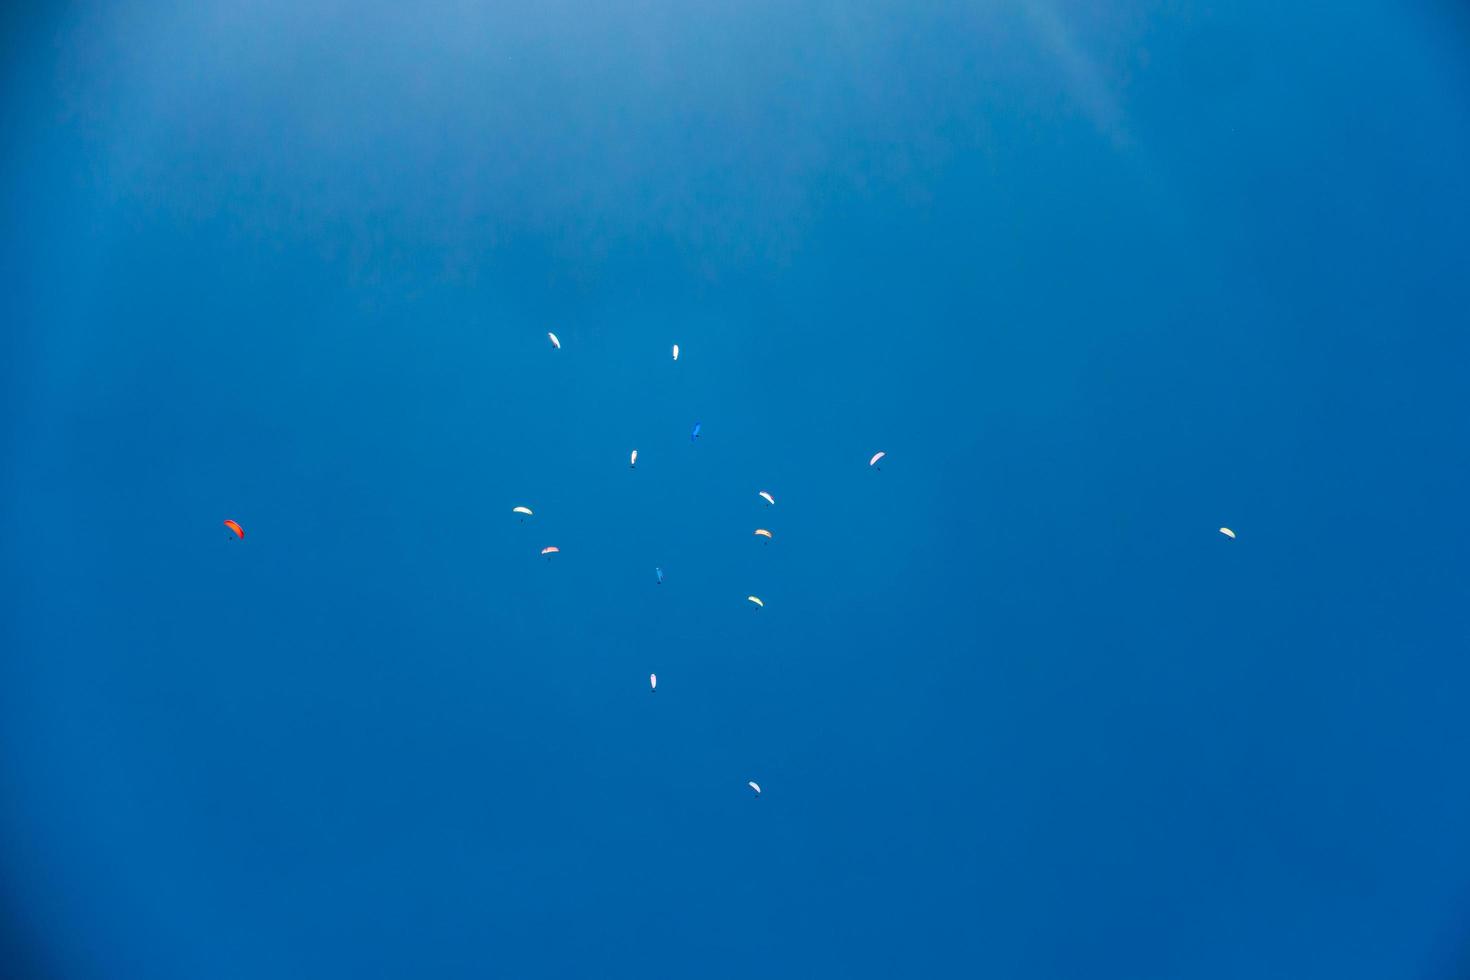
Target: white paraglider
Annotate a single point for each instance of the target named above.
(676, 352)
(756, 601)
(653, 682)
(876, 457)
(770, 500)
(554, 342)
(1228, 533)
(755, 786)
(633, 460)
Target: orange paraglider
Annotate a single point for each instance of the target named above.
(239, 531)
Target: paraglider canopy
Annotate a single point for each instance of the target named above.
(633, 459)
(763, 532)
(659, 573)
(755, 600)
(876, 457)
(695, 433)
(755, 786)
(521, 510)
(653, 682)
(770, 500)
(676, 352)
(239, 531)
(550, 551)
(1228, 533)
(554, 342)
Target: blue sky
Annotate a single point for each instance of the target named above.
(1099, 278)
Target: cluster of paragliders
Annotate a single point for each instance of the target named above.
(524, 512)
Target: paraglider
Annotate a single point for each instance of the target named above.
(239, 531)
(755, 786)
(763, 533)
(554, 342)
(525, 512)
(876, 457)
(756, 600)
(1228, 533)
(633, 460)
(770, 500)
(548, 552)
(659, 573)
(676, 352)
(653, 682)
(695, 434)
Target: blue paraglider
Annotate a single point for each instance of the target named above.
(660, 573)
(695, 434)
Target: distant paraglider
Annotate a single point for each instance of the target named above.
(659, 575)
(548, 552)
(756, 600)
(554, 342)
(653, 682)
(876, 457)
(755, 786)
(1228, 533)
(694, 434)
(770, 500)
(676, 352)
(525, 512)
(236, 529)
(762, 532)
(633, 460)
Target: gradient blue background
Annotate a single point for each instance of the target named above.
(1100, 278)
